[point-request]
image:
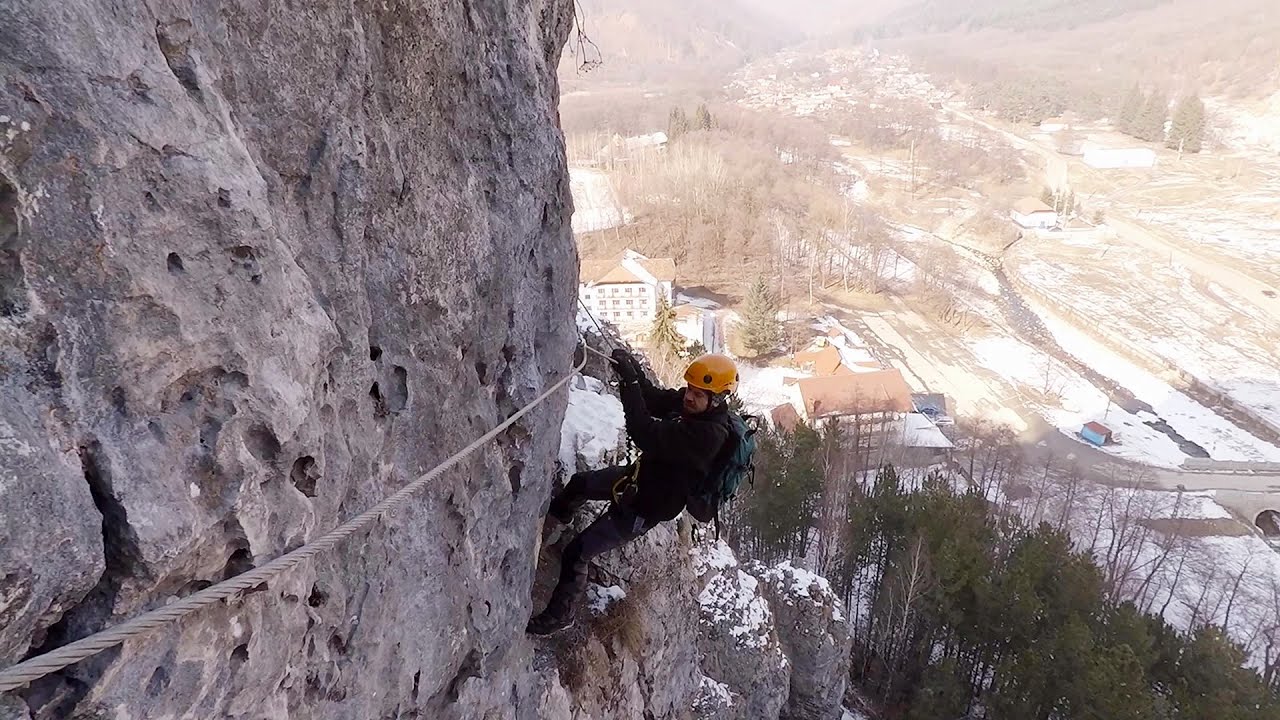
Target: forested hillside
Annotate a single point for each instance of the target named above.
(960, 605)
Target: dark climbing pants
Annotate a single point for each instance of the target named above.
(617, 527)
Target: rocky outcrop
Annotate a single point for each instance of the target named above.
(737, 640)
(260, 265)
(814, 634)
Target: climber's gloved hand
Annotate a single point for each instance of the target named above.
(626, 367)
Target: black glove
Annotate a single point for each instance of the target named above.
(626, 367)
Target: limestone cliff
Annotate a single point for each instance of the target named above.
(260, 265)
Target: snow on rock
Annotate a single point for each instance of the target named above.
(716, 557)
(599, 597)
(732, 600)
(714, 701)
(737, 641)
(811, 626)
(593, 428)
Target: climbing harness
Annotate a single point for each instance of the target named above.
(37, 667)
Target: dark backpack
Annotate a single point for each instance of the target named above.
(732, 464)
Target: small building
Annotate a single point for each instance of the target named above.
(625, 288)
(620, 149)
(1109, 158)
(922, 442)
(1096, 433)
(1033, 213)
(698, 325)
(821, 361)
(784, 417)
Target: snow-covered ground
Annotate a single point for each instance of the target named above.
(1161, 309)
(1221, 438)
(762, 389)
(1068, 401)
(595, 206)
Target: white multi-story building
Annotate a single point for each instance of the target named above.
(626, 290)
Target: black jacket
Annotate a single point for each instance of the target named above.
(676, 451)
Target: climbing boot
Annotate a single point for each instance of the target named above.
(549, 622)
(552, 530)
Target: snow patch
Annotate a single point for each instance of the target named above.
(599, 597)
(801, 583)
(593, 427)
(717, 690)
(717, 556)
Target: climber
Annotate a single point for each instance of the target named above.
(679, 434)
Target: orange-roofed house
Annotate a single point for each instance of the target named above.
(877, 394)
(821, 361)
(625, 289)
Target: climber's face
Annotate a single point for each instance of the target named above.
(696, 400)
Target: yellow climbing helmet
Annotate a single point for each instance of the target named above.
(714, 373)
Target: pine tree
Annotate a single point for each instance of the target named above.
(1130, 109)
(702, 118)
(666, 344)
(677, 123)
(1151, 119)
(1187, 132)
(761, 332)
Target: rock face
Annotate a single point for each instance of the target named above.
(737, 641)
(261, 264)
(814, 634)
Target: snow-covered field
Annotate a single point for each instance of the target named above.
(1160, 309)
(1197, 423)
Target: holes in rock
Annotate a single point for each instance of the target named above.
(379, 403)
(174, 262)
(470, 668)
(398, 396)
(240, 561)
(417, 677)
(508, 353)
(482, 372)
(224, 198)
(158, 682)
(318, 597)
(337, 644)
(263, 444)
(174, 39)
(13, 293)
(375, 353)
(304, 475)
(119, 401)
(239, 656)
(243, 252)
(209, 430)
(152, 204)
(514, 474)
